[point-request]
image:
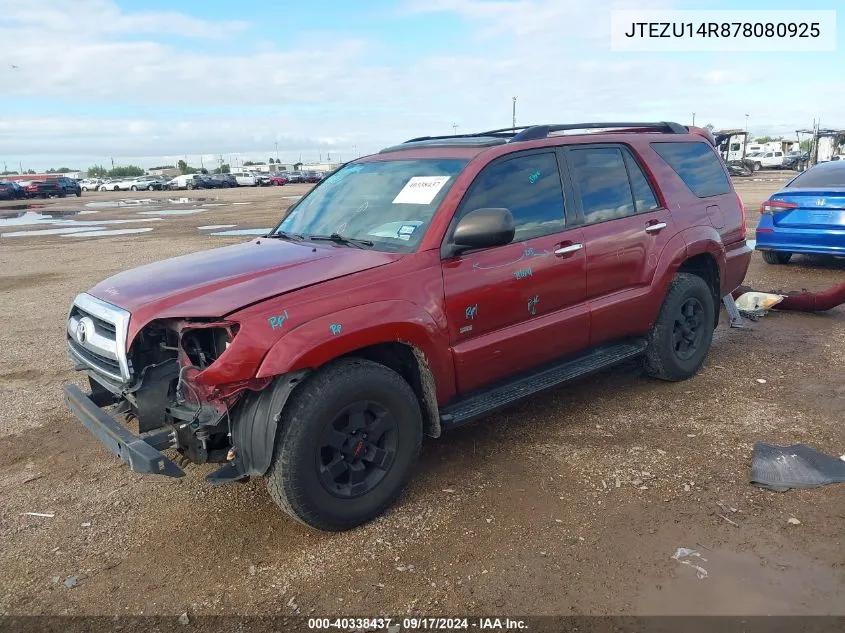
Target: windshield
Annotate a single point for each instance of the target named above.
(388, 203)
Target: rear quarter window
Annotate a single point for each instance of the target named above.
(697, 165)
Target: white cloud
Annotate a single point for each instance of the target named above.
(243, 96)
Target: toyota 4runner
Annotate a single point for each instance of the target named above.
(409, 292)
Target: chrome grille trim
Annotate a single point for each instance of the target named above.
(103, 348)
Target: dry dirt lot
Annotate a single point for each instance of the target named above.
(571, 503)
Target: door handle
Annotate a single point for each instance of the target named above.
(569, 249)
(654, 228)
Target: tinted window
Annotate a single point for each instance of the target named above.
(601, 181)
(529, 186)
(644, 197)
(697, 165)
(824, 175)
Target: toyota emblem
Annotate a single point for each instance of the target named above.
(820, 202)
(82, 329)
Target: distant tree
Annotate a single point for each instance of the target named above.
(8, 173)
(96, 171)
(769, 139)
(249, 163)
(30, 171)
(271, 161)
(126, 171)
(805, 145)
(60, 170)
(163, 167)
(223, 169)
(183, 166)
(203, 170)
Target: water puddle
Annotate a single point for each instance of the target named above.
(40, 232)
(23, 206)
(171, 212)
(141, 202)
(32, 217)
(216, 226)
(242, 232)
(107, 233)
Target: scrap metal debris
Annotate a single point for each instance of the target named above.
(803, 301)
(798, 466)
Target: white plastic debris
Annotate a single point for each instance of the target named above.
(762, 381)
(793, 521)
(46, 515)
(683, 553)
(757, 303)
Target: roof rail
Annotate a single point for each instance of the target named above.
(519, 133)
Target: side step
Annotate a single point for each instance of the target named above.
(482, 402)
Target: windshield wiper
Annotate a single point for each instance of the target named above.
(282, 235)
(337, 238)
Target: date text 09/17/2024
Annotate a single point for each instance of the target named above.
(418, 624)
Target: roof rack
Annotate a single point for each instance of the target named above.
(533, 132)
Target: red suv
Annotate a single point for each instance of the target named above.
(410, 292)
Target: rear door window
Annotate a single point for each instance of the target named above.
(697, 165)
(601, 181)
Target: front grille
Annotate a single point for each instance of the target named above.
(96, 337)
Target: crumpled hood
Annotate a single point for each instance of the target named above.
(216, 282)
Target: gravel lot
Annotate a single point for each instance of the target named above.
(571, 503)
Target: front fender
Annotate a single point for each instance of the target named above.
(325, 338)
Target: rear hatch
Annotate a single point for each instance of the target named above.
(814, 208)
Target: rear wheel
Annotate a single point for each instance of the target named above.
(756, 166)
(681, 337)
(133, 188)
(348, 441)
(776, 257)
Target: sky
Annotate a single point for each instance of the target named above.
(148, 82)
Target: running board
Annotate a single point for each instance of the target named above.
(482, 402)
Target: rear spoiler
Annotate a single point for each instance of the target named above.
(703, 132)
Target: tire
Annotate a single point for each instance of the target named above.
(776, 257)
(79, 193)
(85, 189)
(671, 354)
(116, 188)
(298, 480)
(133, 188)
(189, 186)
(756, 167)
(150, 188)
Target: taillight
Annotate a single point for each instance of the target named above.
(770, 207)
(742, 214)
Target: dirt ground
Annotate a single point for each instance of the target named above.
(571, 503)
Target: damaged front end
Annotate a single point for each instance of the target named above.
(161, 383)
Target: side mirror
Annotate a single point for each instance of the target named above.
(484, 228)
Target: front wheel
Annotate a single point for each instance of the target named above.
(776, 258)
(680, 338)
(348, 440)
(756, 167)
(79, 193)
(133, 188)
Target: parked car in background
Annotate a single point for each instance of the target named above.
(261, 179)
(296, 177)
(245, 178)
(7, 191)
(278, 179)
(768, 160)
(185, 181)
(312, 176)
(225, 181)
(799, 161)
(806, 216)
(42, 188)
(147, 183)
(91, 184)
(69, 187)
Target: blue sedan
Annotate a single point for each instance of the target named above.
(806, 216)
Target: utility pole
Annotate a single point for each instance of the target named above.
(355, 150)
(693, 118)
(276, 143)
(455, 128)
(746, 123)
(514, 114)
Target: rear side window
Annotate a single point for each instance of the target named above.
(601, 181)
(529, 186)
(697, 165)
(644, 198)
(821, 176)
